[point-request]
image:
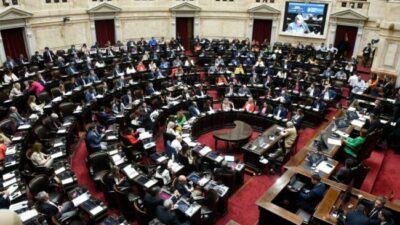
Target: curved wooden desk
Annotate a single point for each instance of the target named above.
(241, 132)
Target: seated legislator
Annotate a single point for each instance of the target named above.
(171, 128)
(386, 217)
(166, 215)
(345, 174)
(372, 124)
(180, 118)
(130, 136)
(194, 109)
(319, 105)
(221, 80)
(328, 94)
(15, 91)
(33, 106)
(352, 146)
(207, 106)
(357, 217)
(38, 158)
(94, 139)
(230, 91)
(244, 91)
(227, 105)
(249, 106)
(298, 118)
(163, 173)
(152, 200)
(183, 187)
(280, 112)
(308, 199)
(239, 70)
(52, 122)
(9, 77)
(50, 209)
(312, 91)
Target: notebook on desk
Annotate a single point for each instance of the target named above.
(295, 184)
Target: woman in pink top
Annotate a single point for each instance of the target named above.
(36, 87)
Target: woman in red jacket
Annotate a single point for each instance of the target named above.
(249, 106)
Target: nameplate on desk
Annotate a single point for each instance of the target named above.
(15, 195)
(111, 138)
(9, 182)
(204, 151)
(161, 159)
(18, 206)
(80, 199)
(9, 175)
(25, 126)
(62, 131)
(67, 181)
(27, 215)
(150, 183)
(57, 155)
(58, 144)
(59, 170)
(96, 210)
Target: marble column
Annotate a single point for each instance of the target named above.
(250, 28)
(358, 40)
(2, 52)
(117, 28)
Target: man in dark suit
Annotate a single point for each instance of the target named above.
(150, 89)
(357, 217)
(376, 207)
(36, 58)
(386, 217)
(377, 109)
(21, 60)
(372, 124)
(166, 214)
(182, 186)
(52, 122)
(308, 199)
(94, 139)
(71, 70)
(14, 114)
(319, 105)
(280, 112)
(9, 63)
(50, 209)
(48, 55)
(152, 200)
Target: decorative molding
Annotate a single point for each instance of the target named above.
(185, 7)
(13, 13)
(104, 8)
(264, 9)
(349, 14)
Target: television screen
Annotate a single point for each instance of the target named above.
(305, 19)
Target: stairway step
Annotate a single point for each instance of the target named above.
(375, 163)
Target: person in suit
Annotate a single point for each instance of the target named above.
(200, 93)
(21, 61)
(357, 217)
(14, 114)
(328, 94)
(166, 215)
(71, 70)
(377, 109)
(319, 105)
(94, 138)
(52, 122)
(375, 208)
(150, 89)
(36, 58)
(9, 64)
(280, 112)
(194, 109)
(48, 55)
(298, 118)
(152, 200)
(244, 91)
(183, 187)
(52, 210)
(312, 91)
(106, 116)
(90, 94)
(308, 199)
(386, 217)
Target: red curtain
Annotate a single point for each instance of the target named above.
(184, 29)
(105, 31)
(262, 30)
(344, 33)
(13, 41)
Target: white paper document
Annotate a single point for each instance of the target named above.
(333, 141)
(96, 210)
(325, 167)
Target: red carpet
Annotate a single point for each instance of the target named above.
(388, 177)
(375, 164)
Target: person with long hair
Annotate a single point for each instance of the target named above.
(38, 158)
(33, 106)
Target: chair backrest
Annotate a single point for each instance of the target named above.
(55, 92)
(368, 146)
(42, 132)
(68, 85)
(99, 161)
(211, 200)
(67, 108)
(44, 97)
(38, 184)
(8, 126)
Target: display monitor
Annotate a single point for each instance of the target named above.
(305, 19)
